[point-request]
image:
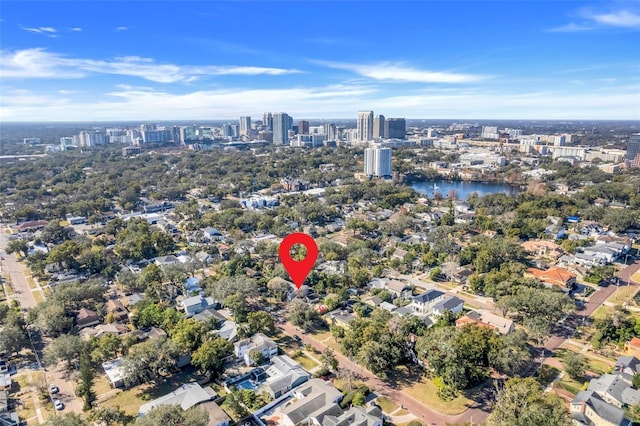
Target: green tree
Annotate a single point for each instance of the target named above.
(521, 402)
(13, 338)
(187, 335)
(329, 360)
(149, 361)
(574, 364)
(210, 356)
(66, 419)
(174, 415)
(260, 322)
(66, 348)
(110, 416)
(85, 385)
(18, 246)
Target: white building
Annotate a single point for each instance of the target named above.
(377, 162)
(365, 126)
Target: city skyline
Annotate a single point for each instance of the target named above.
(101, 61)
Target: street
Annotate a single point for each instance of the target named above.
(382, 388)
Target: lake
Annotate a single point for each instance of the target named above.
(463, 189)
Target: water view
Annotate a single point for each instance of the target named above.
(462, 189)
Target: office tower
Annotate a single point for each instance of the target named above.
(490, 132)
(281, 128)
(395, 128)
(633, 151)
(377, 162)
(330, 131)
(559, 140)
(303, 127)
(187, 134)
(92, 138)
(267, 119)
(378, 127)
(365, 126)
(245, 125)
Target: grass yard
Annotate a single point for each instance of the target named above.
(47, 291)
(37, 295)
(598, 367)
(130, 400)
(623, 294)
(602, 312)
(387, 405)
(546, 374)
(306, 362)
(427, 393)
(636, 277)
(571, 385)
(32, 283)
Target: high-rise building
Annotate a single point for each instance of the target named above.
(490, 132)
(395, 128)
(267, 119)
(365, 126)
(633, 151)
(303, 127)
(377, 162)
(92, 138)
(378, 127)
(281, 122)
(330, 131)
(245, 126)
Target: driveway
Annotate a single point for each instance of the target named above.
(380, 387)
(17, 273)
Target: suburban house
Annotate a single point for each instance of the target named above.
(32, 225)
(542, 248)
(102, 329)
(423, 303)
(166, 260)
(554, 276)
(114, 370)
(394, 287)
(633, 347)
(614, 390)
(190, 395)
(339, 317)
(452, 304)
(627, 367)
(588, 408)
(284, 374)
(86, 318)
(316, 403)
(484, 318)
(256, 343)
(196, 304)
(117, 309)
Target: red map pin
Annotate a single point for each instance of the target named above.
(298, 269)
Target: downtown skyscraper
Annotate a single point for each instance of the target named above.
(365, 126)
(281, 122)
(377, 162)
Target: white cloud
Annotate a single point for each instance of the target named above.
(620, 18)
(47, 31)
(391, 71)
(591, 20)
(76, 29)
(333, 101)
(39, 63)
(122, 28)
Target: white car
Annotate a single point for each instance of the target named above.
(58, 404)
(53, 389)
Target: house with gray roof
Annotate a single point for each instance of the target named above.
(284, 374)
(452, 304)
(614, 390)
(257, 343)
(196, 304)
(423, 303)
(187, 396)
(588, 408)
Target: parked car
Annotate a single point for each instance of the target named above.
(297, 338)
(58, 404)
(53, 389)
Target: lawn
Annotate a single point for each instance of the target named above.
(32, 283)
(427, 393)
(636, 277)
(571, 385)
(602, 312)
(386, 404)
(306, 362)
(623, 294)
(37, 295)
(546, 374)
(130, 400)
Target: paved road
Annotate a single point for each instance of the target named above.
(418, 409)
(18, 273)
(625, 275)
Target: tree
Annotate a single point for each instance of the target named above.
(187, 335)
(574, 364)
(13, 338)
(149, 360)
(237, 303)
(66, 348)
(110, 416)
(302, 315)
(260, 322)
(18, 246)
(329, 360)
(67, 419)
(521, 402)
(209, 357)
(85, 384)
(174, 415)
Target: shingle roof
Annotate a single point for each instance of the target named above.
(428, 296)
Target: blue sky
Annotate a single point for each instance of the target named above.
(143, 60)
